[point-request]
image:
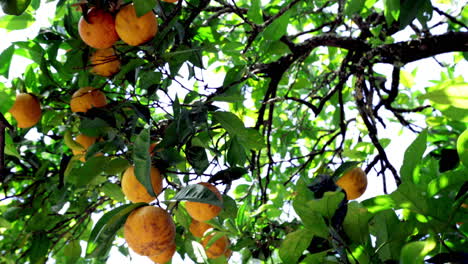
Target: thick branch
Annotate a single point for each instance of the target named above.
(3, 125)
(409, 51)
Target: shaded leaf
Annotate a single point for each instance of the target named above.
(102, 235)
(142, 160)
(197, 193)
(197, 158)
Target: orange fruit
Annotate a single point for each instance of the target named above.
(100, 32)
(104, 62)
(149, 231)
(135, 191)
(86, 98)
(26, 110)
(354, 183)
(198, 228)
(203, 211)
(217, 249)
(166, 256)
(86, 142)
(135, 30)
(228, 253)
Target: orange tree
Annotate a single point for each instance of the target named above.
(271, 102)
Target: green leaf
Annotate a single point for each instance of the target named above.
(415, 252)
(114, 191)
(39, 247)
(412, 9)
(103, 233)
(142, 160)
(278, 27)
(312, 219)
(236, 153)
(5, 58)
(410, 196)
(197, 193)
(354, 6)
(16, 22)
(14, 7)
(294, 245)
(391, 10)
(143, 6)
(116, 166)
(85, 174)
(413, 156)
(10, 147)
(328, 204)
(234, 75)
(94, 127)
(356, 223)
(230, 122)
(72, 250)
(390, 233)
(230, 208)
(462, 147)
(453, 94)
(255, 12)
(251, 139)
(197, 158)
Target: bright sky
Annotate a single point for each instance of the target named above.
(428, 69)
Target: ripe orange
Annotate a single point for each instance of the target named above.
(217, 249)
(100, 32)
(104, 62)
(166, 256)
(203, 211)
(149, 231)
(86, 142)
(86, 98)
(26, 110)
(135, 30)
(198, 228)
(135, 191)
(354, 182)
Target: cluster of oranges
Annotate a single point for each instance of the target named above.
(150, 230)
(99, 30)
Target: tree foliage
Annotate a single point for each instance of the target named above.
(272, 101)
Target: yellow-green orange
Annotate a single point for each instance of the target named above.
(149, 231)
(354, 182)
(135, 191)
(203, 211)
(86, 98)
(26, 110)
(135, 30)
